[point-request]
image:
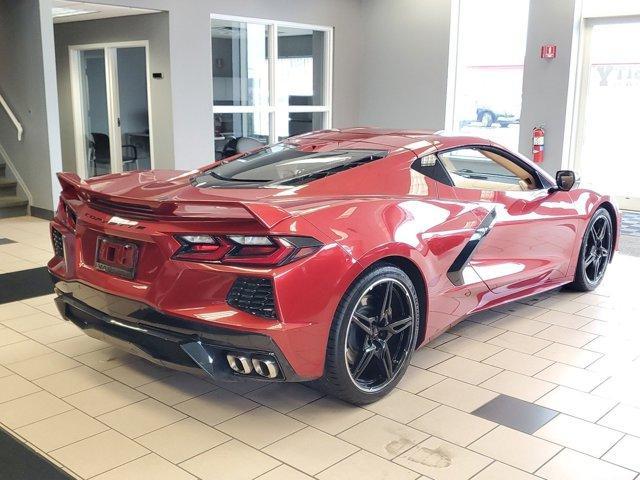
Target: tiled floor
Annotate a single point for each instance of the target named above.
(100, 413)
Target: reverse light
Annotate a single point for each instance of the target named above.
(245, 249)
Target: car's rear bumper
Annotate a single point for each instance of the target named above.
(165, 339)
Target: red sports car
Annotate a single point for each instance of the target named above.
(330, 256)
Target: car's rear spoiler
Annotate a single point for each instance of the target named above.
(199, 209)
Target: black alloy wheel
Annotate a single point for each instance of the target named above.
(595, 252)
(372, 337)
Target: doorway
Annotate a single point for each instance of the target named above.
(111, 103)
(606, 148)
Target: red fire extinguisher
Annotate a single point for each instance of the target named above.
(538, 144)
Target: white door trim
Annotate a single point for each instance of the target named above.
(113, 102)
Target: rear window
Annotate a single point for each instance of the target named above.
(287, 165)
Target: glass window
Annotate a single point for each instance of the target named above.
(270, 82)
(283, 162)
(240, 63)
(492, 38)
(485, 170)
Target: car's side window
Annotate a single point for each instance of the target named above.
(482, 169)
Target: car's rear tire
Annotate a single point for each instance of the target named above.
(487, 119)
(372, 337)
(595, 252)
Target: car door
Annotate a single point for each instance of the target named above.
(528, 236)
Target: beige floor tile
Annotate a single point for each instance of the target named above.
(625, 453)
(591, 299)
(138, 373)
(453, 425)
(458, 394)
(466, 370)
(104, 398)
(520, 309)
(572, 377)
(402, 406)
(519, 342)
(486, 317)
(148, 467)
(575, 465)
(44, 365)
(576, 357)
(521, 325)
(468, 348)
(518, 362)
(515, 448)
(319, 451)
(14, 386)
(141, 417)
(261, 427)
(9, 336)
(602, 313)
(54, 333)
(561, 305)
(383, 436)
(31, 408)
(366, 465)
(232, 460)
(585, 437)
(500, 471)
(566, 336)
(22, 351)
(177, 388)
(416, 379)
(41, 300)
(60, 430)
(284, 472)
(5, 372)
(623, 387)
(97, 454)
(78, 345)
(442, 460)
(623, 418)
(476, 331)
(578, 404)
(241, 386)
(330, 415)
(15, 310)
(597, 327)
(284, 397)
(441, 339)
(428, 357)
(518, 385)
(72, 381)
(106, 358)
(216, 407)
(562, 319)
(182, 440)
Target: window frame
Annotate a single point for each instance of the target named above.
(272, 57)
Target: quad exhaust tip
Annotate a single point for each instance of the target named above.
(265, 367)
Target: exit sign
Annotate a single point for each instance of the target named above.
(548, 51)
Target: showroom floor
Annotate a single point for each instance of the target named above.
(547, 387)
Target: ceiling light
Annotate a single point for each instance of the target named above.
(67, 12)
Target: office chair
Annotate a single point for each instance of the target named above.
(100, 152)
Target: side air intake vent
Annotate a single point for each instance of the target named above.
(253, 295)
(58, 245)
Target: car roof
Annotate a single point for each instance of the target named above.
(367, 137)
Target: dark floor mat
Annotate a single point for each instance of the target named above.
(24, 284)
(19, 462)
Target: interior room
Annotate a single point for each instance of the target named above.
(322, 239)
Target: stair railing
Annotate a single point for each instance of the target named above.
(13, 118)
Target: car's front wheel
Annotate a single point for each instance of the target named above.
(372, 337)
(595, 252)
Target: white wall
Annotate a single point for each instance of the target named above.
(549, 85)
(405, 56)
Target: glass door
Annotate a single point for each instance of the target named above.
(111, 110)
(610, 99)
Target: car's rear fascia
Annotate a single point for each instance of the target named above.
(188, 300)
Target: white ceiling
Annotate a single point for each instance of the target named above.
(67, 11)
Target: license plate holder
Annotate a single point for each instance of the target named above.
(117, 257)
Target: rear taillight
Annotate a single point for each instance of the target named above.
(66, 215)
(245, 249)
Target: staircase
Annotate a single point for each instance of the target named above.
(10, 204)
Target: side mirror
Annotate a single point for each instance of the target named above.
(565, 180)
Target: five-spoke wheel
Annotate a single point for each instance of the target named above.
(595, 252)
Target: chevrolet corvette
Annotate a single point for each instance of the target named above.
(328, 257)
